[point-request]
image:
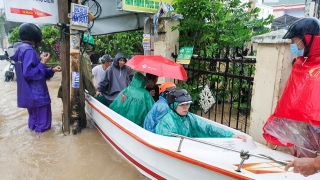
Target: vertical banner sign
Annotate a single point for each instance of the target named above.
(75, 80)
(185, 54)
(32, 11)
(147, 6)
(146, 42)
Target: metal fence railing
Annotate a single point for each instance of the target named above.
(230, 81)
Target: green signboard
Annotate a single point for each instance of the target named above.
(148, 6)
(185, 54)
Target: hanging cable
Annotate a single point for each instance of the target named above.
(94, 7)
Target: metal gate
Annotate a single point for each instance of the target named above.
(230, 80)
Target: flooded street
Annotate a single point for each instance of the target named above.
(24, 155)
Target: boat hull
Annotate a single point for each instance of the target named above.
(156, 156)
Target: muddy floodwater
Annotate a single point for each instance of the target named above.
(51, 155)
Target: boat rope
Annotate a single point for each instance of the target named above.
(243, 154)
(276, 161)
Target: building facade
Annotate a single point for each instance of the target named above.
(290, 7)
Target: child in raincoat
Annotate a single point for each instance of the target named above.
(180, 121)
(134, 102)
(160, 108)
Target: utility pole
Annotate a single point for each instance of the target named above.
(64, 7)
(72, 84)
(75, 74)
(78, 116)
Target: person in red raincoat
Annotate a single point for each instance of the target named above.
(296, 119)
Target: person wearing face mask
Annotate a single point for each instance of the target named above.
(302, 34)
(297, 48)
(296, 119)
(180, 121)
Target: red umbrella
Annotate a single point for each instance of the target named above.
(159, 66)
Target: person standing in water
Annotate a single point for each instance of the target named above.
(32, 74)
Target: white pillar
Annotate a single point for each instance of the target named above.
(274, 62)
(167, 42)
(147, 29)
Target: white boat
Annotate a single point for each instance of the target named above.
(156, 156)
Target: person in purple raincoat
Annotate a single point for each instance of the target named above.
(32, 74)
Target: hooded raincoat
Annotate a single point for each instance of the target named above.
(116, 79)
(32, 90)
(31, 77)
(134, 102)
(189, 125)
(296, 119)
(159, 109)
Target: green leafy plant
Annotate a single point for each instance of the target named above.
(49, 35)
(241, 89)
(128, 43)
(14, 36)
(219, 88)
(212, 27)
(209, 25)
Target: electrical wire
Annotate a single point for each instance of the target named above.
(96, 5)
(96, 11)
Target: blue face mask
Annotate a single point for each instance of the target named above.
(295, 50)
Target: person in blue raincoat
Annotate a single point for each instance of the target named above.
(134, 102)
(180, 121)
(32, 90)
(160, 108)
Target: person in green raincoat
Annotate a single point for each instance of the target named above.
(134, 102)
(180, 121)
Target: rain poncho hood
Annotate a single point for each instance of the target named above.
(134, 102)
(159, 109)
(116, 60)
(116, 79)
(190, 126)
(32, 90)
(296, 119)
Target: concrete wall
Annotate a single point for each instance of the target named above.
(274, 63)
(167, 43)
